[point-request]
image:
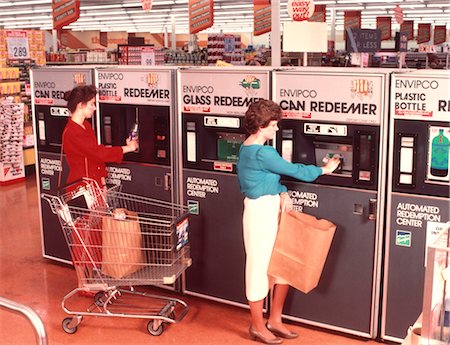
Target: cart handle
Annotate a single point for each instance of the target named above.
(54, 201)
(30, 314)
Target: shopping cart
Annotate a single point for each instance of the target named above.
(118, 241)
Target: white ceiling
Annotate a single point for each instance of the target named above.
(229, 15)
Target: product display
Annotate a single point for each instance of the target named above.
(140, 55)
(11, 140)
(226, 48)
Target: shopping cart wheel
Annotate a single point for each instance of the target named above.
(151, 327)
(66, 325)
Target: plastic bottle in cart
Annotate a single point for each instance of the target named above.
(440, 146)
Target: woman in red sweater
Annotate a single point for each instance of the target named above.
(85, 157)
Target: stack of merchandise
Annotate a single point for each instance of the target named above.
(11, 141)
(225, 47)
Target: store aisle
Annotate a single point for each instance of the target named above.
(28, 278)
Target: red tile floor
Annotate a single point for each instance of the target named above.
(27, 278)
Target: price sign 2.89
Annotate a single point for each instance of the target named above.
(17, 42)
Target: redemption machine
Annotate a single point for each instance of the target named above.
(50, 116)
(327, 113)
(418, 203)
(212, 104)
(140, 102)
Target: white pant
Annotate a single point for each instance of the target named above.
(260, 224)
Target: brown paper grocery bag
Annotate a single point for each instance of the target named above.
(122, 245)
(300, 250)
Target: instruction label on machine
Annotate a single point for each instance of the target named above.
(226, 122)
(325, 129)
(349, 98)
(302, 199)
(49, 166)
(49, 88)
(415, 215)
(421, 97)
(201, 187)
(149, 87)
(118, 174)
(217, 92)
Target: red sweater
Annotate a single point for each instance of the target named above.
(85, 157)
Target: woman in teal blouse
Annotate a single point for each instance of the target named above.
(259, 169)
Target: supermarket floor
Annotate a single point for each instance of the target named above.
(27, 278)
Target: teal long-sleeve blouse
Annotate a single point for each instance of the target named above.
(259, 168)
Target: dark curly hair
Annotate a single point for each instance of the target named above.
(79, 94)
(259, 115)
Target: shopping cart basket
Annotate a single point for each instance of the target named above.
(118, 241)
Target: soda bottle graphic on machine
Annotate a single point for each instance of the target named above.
(440, 146)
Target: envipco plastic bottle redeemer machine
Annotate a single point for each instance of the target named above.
(212, 103)
(327, 113)
(140, 101)
(418, 203)
(50, 115)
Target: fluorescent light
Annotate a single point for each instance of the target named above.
(101, 7)
(439, 5)
(233, 6)
(26, 18)
(26, 12)
(350, 8)
(26, 3)
(422, 11)
(372, 13)
(365, 1)
(379, 7)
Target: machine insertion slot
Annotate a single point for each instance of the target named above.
(327, 150)
(228, 145)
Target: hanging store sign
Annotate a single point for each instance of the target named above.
(147, 5)
(319, 15)
(440, 34)
(201, 93)
(65, 12)
(352, 20)
(300, 10)
(347, 98)
(103, 41)
(423, 33)
(151, 87)
(262, 17)
(398, 14)
(363, 41)
(17, 42)
(408, 27)
(201, 15)
(384, 24)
